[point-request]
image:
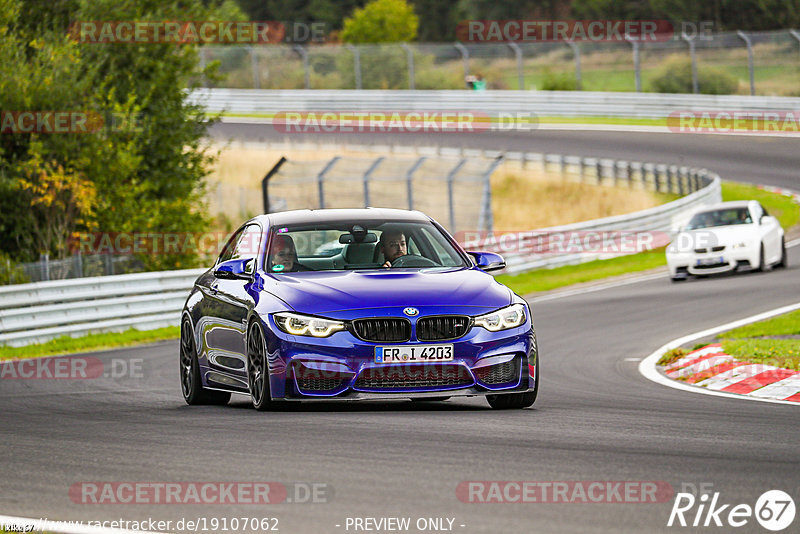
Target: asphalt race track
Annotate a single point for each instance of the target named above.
(597, 418)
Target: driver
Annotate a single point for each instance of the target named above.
(283, 257)
(393, 245)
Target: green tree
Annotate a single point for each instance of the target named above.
(381, 21)
(148, 176)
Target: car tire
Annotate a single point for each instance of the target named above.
(762, 262)
(516, 401)
(257, 368)
(678, 278)
(784, 263)
(191, 384)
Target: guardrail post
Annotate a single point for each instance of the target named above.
(451, 176)
(410, 55)
(306, 68)
(629, 172)
(44, 266)
(562, 166)
(321, 180)
(744, 37)
(693, 56)
(78, 263)
(599, 170)
(410, 181)
(681, 179)
(670, 179)
(356, 64)
(108, 260)
(796, 35)
(576, 52)
(582, 166)
(255, 67)
(486, 217)
(518, 54)
(657, 178)
(265, 182)
(464, 57)
(636, 66)
(367, 177)
(643, 171)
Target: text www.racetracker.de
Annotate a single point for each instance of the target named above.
(198, 524)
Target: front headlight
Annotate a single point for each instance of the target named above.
(502, 319)
(306, 325)
(739, 245)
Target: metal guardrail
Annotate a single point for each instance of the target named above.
(491, 103)
(38, 312)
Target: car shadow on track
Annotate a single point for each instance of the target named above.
(367, 406)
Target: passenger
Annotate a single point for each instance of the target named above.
(283, 256)
(393, 245)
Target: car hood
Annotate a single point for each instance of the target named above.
(328, 291)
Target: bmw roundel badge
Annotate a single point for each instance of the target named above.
(411, 312)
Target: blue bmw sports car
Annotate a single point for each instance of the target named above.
(354, 304)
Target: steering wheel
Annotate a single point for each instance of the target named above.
(413, 260)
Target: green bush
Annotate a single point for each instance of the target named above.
(558, 81)
(675, 76)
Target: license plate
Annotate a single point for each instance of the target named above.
(414, 353)
(711, 261)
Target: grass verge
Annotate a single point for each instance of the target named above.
(91, 342)
(547, 279)
(765, 342)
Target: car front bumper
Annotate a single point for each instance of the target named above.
(342, 367)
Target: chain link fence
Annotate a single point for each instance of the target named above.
(76, 266)
(764, 63)
(453, 190)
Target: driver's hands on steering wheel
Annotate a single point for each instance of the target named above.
(387, 264)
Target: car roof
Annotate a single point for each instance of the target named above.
(342, 215)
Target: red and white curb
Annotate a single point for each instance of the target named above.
(744, 375)
(711, 368)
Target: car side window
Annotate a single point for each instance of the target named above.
(227, 252)
(248, 243)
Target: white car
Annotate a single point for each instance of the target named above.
(726, 237)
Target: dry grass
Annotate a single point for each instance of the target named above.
(522, 199)
(527, 199)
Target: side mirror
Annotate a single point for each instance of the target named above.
(488, 261)
(234, 269)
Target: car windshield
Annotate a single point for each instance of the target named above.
(723, 217)
(357, 245)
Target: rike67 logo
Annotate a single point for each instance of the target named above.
(774, 510)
